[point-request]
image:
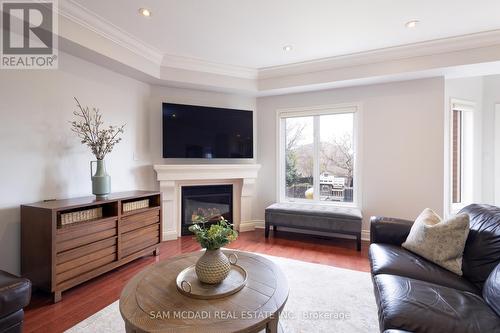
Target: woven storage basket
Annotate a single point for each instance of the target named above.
(134, 205)
(80, 216)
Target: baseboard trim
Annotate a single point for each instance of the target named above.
(251, 226)
(259, 224)
(246, 226)
(169, 235)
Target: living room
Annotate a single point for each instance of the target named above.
(221, 166)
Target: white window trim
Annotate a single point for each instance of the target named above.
(281, 114)
(464, 106)
(497, 156)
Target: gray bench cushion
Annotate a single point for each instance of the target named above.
(315, 217)
(317, 210)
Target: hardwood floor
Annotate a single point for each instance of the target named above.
(84, 300)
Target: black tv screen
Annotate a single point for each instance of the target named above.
(191, 131)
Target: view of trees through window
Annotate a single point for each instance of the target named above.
(299, 157)
(332, 153)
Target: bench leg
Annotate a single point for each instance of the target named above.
(266, 231)
(275, 228)
(358, 242)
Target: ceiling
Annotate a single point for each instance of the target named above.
(252, 33)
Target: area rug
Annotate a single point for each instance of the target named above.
(322, 299)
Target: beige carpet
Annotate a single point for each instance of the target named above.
(322, 299)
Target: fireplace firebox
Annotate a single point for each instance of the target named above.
(209, 201)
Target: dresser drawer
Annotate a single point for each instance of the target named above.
(75, 271)
(136, 221)
(85, 251)
(85, 259)
(85, 235)
(80, 229)
(139, 239)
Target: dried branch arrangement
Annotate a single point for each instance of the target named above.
(90, 129)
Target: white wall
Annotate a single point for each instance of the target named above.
(471, 90)
(402, 162)
(402, 144)
(491, 97)
(496, 146)
(42, 159)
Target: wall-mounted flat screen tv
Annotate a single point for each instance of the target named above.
(191, 131)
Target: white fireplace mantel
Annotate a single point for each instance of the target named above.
(173, 176)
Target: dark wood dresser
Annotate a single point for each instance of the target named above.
(57, 253)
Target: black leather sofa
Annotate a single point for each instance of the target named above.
(15, 294)
(415, 295)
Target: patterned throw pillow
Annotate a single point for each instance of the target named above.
(441, 242)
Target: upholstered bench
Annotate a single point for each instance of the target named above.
(315, 217)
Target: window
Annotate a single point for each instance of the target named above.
(317, 155)
(456, 156)
(462, 149)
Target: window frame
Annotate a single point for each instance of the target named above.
(469, 138)
(282, 115)
(496, 157)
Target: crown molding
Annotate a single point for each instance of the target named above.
(97, 24)
(92, 21)
(437, 46)
(112, 42)
(199, 65)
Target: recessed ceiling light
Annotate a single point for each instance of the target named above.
(287, 48)
(412, 24)
(145, 12)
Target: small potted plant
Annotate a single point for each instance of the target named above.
(213, 266)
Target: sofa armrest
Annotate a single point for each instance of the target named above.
(15, 293)
(389, 230)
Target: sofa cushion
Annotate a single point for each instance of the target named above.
(482, 249)
(393, 259)
(419, 306)
(491, 290)
(12, 322)
(15, 293)
(440, 241)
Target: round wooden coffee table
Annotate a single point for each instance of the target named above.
(150, 302)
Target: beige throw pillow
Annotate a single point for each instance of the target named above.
(441, 242)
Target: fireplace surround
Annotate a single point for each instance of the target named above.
(172, 177)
